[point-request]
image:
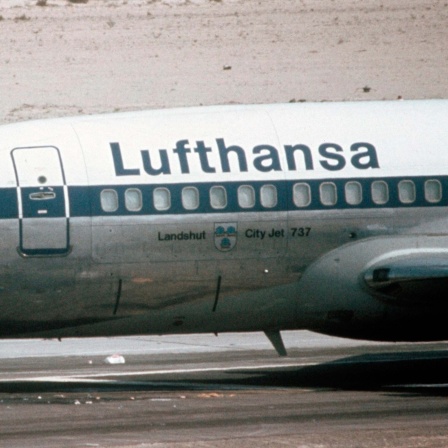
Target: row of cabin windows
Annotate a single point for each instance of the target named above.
(379, 191)
(190, 198)
(328, 196)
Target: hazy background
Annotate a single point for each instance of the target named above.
(109, 55)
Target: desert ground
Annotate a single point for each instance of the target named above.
(63, 58)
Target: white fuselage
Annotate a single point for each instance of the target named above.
(219, 219)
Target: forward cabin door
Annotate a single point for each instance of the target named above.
(42, 201)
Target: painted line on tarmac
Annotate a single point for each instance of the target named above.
(89, 377)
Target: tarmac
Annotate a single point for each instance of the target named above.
(212, 391)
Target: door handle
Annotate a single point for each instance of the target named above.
(42, 196)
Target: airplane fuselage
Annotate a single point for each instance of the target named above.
(237, 218)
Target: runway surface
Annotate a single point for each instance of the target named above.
(217, 392)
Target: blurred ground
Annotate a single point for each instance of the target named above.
(106, 55)
(202, 391)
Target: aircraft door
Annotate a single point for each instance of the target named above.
(42, 201)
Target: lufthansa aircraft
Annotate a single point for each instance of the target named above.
(328, 217)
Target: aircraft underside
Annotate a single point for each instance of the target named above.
(323, 282)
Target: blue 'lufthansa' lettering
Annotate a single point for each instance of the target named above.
(233, 158)
(120, 170)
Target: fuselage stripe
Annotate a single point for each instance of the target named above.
(324, 194)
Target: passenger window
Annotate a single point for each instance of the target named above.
(133, 199)
(380, 192)
(301, 195)
(162, 199)
(268, 196)
(328, 194)
(406, 191)
(246, 196)
(109, 200)
(433, 191)
(190, 198)
(353, 193)
(218, 197)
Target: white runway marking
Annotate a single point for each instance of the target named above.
(89, 377)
